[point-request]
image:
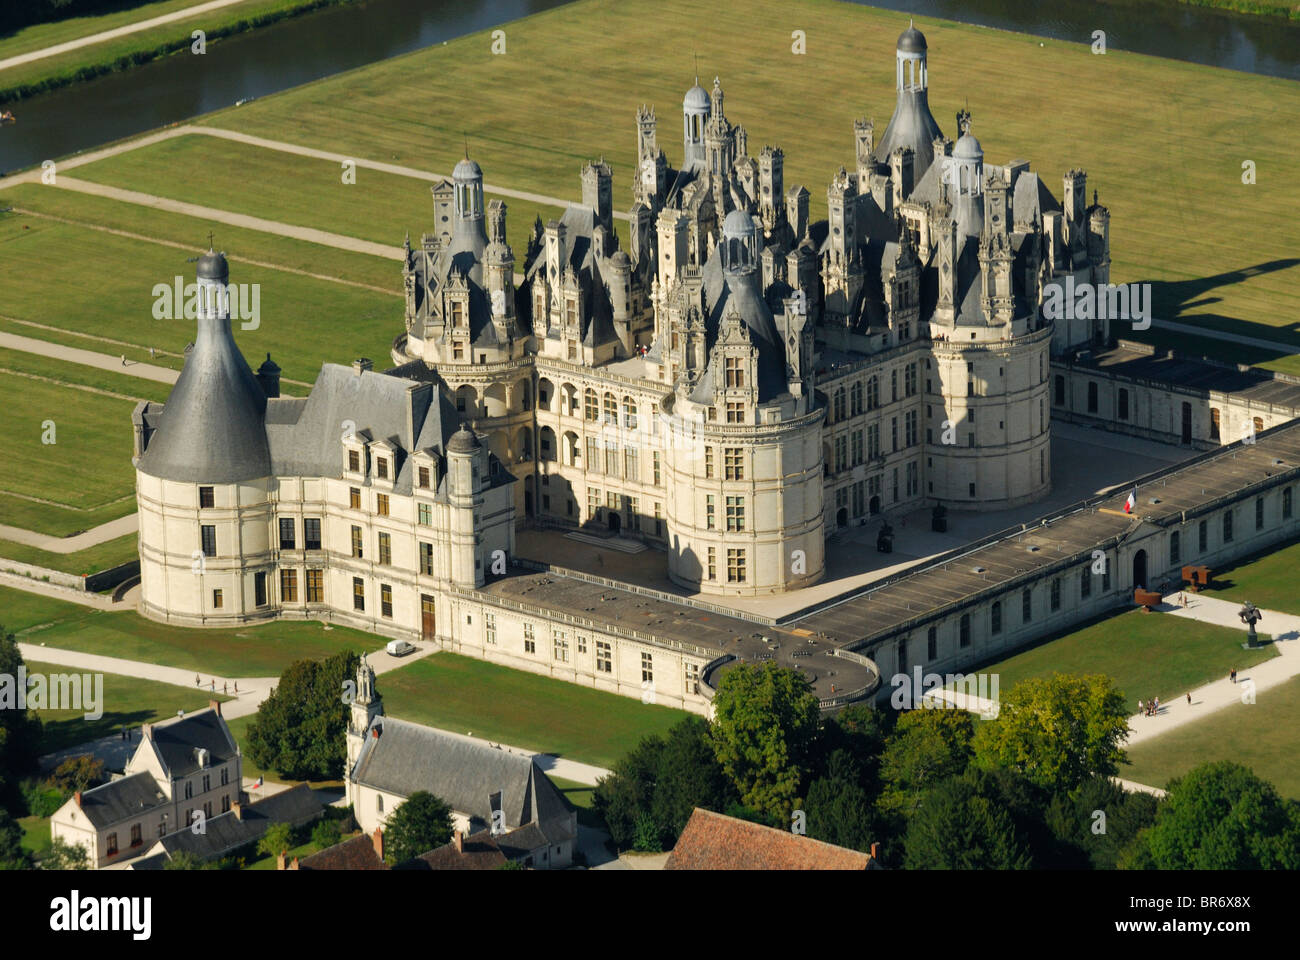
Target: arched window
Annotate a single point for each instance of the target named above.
(855, 402)
(873, 392)
(591, 410)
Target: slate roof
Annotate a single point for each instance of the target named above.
(122, 799)
(176, 742)
(481, 852)
(1031, 199)
(712, 841)
(578, 253)
(226, 832)
(912, 125)
(728, 291)
(407, 757)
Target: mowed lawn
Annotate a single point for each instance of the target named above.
(102, 556)
(251, 651)
(303, 321)
(274, 185)
(521, 709)
(1268, 581)
(1168, 163)
(127, 701)
(69, 453)
(1261, 735)
(1147, 654)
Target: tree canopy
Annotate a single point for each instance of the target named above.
(927, 747)
(299, 730)
(422, 823)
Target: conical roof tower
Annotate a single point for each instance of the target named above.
(912, 124)
(213, 426)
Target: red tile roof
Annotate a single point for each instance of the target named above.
(712, 841)
(355, 854)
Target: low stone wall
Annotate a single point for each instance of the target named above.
(82, 583)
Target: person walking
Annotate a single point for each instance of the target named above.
(1141, 707)
(151, 354)
(124, 359)
(197, 681)
(236, 686)
(1189, 698)
(1233, 675)
(223, 687)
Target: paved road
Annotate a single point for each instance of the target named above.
(1190, 328)
(116, 32)
(96, 535)
(88, 358)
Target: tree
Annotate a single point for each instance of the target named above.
(861, 732)
(20, 730)
(421, 824)
(325, 834)
(1220, 816)
(838, 809)
(76, 774)
(626, 795)
(687, 775)
(184, 860)
(766, 721)
(646, 838)
(927, 747)
(957, 826)
(277, 839)
(12, 854)
(299, 730)
(1100, 820)
(1058, 731)
(61, 855)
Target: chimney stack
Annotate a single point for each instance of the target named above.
(378, 841)
(77, 796)
(875, 851)
(238, 810)
(215, 705)
(280, 860)
(459, 838)
(362, 365)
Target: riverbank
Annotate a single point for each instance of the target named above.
(132, 49)
(1265, 8)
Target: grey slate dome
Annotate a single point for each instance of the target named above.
(696, 99)
(738, 224)
(213, 425)
(968, 148)
(463, 441)
(467, 169)
(213, 266)
(911, 40)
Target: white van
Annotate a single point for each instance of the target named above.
(399, 648)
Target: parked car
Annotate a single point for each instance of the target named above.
(399, 648)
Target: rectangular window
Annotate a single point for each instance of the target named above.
(288, 586)
(218, 599)
(709, 512)
(857, 447)
(354, 461)
(423, 478)
(311, 533)
(356, 542)
(841, 453)
(611, 459)
(358, 594)
(692, 678)
(490, 627)
(112, 844)
(593, 455)
(381, 464)
(1259, 513)
(1027, 606)
(1056, 594)
(735, 566)
(1286, 504)
(1085, 584)
(713, 563)
(354, 498)
(631, 466)
(932, 644)
(209, 536)
(530, 641)
(964, 630)
(734, 462)
(386, 600)
(735, 514)
(424, 513)
(287, 539)
(708, 463)
(385, 549)
(735, 412)
(735, 372)
(561, 645)
(1227, 526)
(902, 656)
(426, 559)
(381, 504)
(995, 617)
(593, 503)
(205, 497)
(647, 668)
(657, 466)
(604, 658)
(315, 586)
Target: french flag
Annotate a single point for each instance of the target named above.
(1131, 502)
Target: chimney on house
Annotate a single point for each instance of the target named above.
(459, 839)
(279, 860)
(238, 810)
(362, 365)
(215, 705)
(294, 864)
(875, 851)
(378, 841)
(77, 796)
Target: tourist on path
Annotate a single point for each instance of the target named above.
(197, 681)
(1141, 707)
(1189, 698)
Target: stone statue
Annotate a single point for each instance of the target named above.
(1250, 615)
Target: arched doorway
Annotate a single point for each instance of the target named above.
(615, 521)
(1140, 569)
(842, 518)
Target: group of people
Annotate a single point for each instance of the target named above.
(1152, 706)
(225, 686)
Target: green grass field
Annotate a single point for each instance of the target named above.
(121, 52)
(521, 709)
(323, 321)
(36, 834)
(69, 467)
(380, 207)
(1148, 655)
(102, 556)
(1268, 581)
(128, 701)
(1260, 735)
(256, 651)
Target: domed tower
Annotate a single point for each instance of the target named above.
(965, 178)
(744, 451)
(467, 474)
(912, 125)
(367, 705)
(203, 471)
(695, 115)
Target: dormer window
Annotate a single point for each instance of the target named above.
(423, 478)
(735, 412)
(458, 353)
(457, 313)
(735, 372)
(381, 467)
(354, 461)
